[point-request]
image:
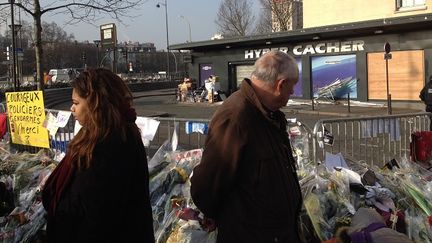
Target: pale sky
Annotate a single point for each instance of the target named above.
(148, 23)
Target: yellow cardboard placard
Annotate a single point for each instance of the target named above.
(26, 114)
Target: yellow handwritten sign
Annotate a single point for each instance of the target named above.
(26, 114)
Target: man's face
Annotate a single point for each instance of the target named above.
(286, 87)
(287, 90)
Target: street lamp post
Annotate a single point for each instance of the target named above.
(167, 37)
(17, 51)
(97, 43)
(190, 34)
(175, 61)
(84, 59)
(12, 2)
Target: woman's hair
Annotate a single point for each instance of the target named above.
(109, 102)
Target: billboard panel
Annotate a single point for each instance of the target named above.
(334, 76)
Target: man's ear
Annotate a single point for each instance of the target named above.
(279, 85)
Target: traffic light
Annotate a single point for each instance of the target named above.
(125, 54)
(83, 55)
(7, 53)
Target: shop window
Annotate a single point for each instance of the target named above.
(410, 4)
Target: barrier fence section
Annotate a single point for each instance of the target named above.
(58, 142)
(64, 134)
(373, 140)
(190, 134)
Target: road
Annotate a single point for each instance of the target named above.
(163, 103)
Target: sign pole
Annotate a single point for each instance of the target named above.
(108, 33)
(387, 56)
(12, 2)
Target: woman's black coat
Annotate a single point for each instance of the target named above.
(108, 202)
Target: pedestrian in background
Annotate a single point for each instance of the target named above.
(247, 179)
(426, 97)
(99, 191)
(47, 78)
(34, 76)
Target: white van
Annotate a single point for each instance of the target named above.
(59, 75)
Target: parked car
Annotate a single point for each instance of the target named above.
(64, 75)
(58, 75)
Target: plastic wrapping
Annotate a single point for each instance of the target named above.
(300, 136)
(25, 183)
(160, 159)
(169, 189)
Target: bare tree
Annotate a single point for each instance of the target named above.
(55, 44)
(78, 10)
(264, 24)
(280, 15)
(235, 17)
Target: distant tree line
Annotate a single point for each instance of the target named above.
(77, 10)
(61, 50)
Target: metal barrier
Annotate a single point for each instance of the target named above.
(374, 140)
(57, 143)
(64, 134)
(187, 139)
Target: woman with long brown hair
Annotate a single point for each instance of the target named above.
(99, 191)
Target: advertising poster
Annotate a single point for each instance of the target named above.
(334, 76)
(26, 116)
(205, 71)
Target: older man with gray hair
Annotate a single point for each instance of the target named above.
(247, 179)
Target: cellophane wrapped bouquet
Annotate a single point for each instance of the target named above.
(175, 217)
(402, 195)
(22, 175)
(413, 189)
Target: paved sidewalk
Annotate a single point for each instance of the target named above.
(355, 109)
(163, 103)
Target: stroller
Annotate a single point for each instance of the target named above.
(199, 94)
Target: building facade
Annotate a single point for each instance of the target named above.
(346, 52)
(317, 13)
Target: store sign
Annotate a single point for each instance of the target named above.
(311, 49)
(256, 53)
(108, 35)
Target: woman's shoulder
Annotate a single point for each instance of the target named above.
(115, 141)
(120, 153)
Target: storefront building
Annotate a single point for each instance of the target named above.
(352, 53)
